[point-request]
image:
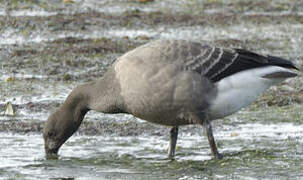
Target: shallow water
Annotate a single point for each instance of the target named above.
(48, 48)
(251, 151)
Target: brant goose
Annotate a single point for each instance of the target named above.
(173, 83)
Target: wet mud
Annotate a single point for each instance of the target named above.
(48, 48)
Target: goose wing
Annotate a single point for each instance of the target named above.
(217, 63)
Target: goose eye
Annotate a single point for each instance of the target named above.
(51, 133)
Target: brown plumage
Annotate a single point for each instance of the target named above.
(168, 82)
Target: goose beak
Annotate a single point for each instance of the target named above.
(51, 150)
(51, 155)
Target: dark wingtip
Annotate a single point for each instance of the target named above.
(281, 62)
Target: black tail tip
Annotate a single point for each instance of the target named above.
(281, 62)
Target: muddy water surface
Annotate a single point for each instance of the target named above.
(47, 48)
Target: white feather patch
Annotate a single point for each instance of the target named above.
(241, 89)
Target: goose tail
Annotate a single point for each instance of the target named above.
(278, 61)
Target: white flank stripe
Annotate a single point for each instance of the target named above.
(226, 66)
(215, 61)
(209, 56)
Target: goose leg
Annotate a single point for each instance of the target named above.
(211, 139)
(172, 142)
